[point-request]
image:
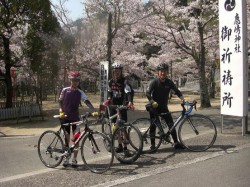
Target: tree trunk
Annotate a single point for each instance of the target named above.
(201, 61)
(7, 76)
(212, 82)
(109, 44)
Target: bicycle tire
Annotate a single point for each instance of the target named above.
(50, 149)
(206, 136)
(106, 129)
(94, 153)
(143, 125)
(134, 150)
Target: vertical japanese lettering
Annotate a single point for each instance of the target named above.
(227, 78)
(227, 99)
(237, 31)
(225, 33)
(226, 55)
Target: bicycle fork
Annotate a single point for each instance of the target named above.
(93, 144)
(192, 125)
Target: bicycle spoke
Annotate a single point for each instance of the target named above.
(197, 133)
(143, 125)
(132, 144)
(50, 149)
(94, 153)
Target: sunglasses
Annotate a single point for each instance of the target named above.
(75, 80)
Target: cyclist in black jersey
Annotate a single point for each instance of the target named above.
(158, 95)
(120, 92)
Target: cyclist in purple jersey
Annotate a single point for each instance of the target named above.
(69, 101)
(158, 95)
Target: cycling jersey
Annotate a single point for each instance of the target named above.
(71, 99)
(120, 92)
(159, 91)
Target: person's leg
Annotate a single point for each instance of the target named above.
(152, 129)
(114, 126)
(169, 121)
(66, 130)
(124, 117)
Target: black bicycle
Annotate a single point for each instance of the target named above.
(94, 154)
(195, 131)
(124, 133)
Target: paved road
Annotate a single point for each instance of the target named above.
(227, 170)
(20, 165)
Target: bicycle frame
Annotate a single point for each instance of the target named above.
(118, 113)
(83, 132)
(184, 114)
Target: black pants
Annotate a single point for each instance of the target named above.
(168, 119)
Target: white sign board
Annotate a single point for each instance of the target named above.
(233, 57)
(104, 67)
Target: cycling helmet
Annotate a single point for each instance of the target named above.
(162, 66)
(74, 75)
(117, 66)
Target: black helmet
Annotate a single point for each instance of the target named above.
(162, 66)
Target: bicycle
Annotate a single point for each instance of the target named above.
(196, 132)
(129, 135)
(97, 159)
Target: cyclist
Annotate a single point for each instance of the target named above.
(158, 95)
(69, 101)
(120, 92)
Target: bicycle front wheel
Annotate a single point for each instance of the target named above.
(148, 138)
(130, 138)
(50, 149)
(94, 153)
(197, 132)
(106, 129)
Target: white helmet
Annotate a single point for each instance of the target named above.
(117, 66)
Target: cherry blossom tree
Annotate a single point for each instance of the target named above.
(187, 32)
(119, 15)
(15, 18)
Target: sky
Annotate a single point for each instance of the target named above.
(75, 8)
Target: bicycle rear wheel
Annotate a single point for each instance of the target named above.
(131, 138)
(50, 149)
(94, 153)
(197, 133)
(143, 125)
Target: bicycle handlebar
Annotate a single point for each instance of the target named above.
(120, 107)
(192, 105)
(83, 116)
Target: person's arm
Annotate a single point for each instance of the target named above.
(84, 98)
(177, 91)
(149, 91)
(110, 93)
(128, 91)
(89, 104)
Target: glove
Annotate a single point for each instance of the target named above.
(114, 127)
(154, 104)
(62, 115)
(94, 114)
(132, 107)
(106, 102)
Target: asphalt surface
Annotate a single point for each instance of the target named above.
(228, 160)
